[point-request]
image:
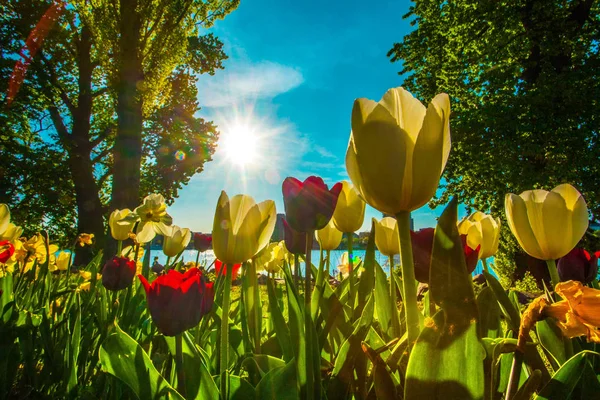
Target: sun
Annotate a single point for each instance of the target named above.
(240, 145)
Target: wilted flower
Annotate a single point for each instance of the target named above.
(177, 240)
(295, 241)
(578, 265)
(386, 236)
(481, 230)
(118, 273)
(178, 301)
(85, 238)
(120, 227)
(349, 212)
(221, 268)
(241, 227)
(398, 149)
(329, 238)
(547, 225)
(422, 245)
(202, 242)
(309, 205)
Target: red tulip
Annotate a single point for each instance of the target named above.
(578, 265)
(202, 242)
(118, 273)
(6, 250)
(422, 245)
(178, 301)
(295, 242)
(309, 205)
(234, 271)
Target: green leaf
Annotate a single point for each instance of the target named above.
(367, 278)
(252, 304)
(449, 339)
(489, 314)
(199, 383)
(512, 315)
(383, 304)
(74, 348)
(279, 383)
(566, 379)
(296, 322)
(123, 357)
(282, 332)
(552, 340)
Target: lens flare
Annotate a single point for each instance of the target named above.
(179, 155)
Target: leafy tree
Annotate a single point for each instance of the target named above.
(71, 88)
(524, 80)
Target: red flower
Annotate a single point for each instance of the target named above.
(422, 246)
(202, 242)
(234, 271)
(118, 273)
(309, 205)
(178, 301)
(295, 242)
(6, 250)
(578, 265)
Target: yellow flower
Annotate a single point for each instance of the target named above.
(329, 238)
(386, 236)
(35, 249)
(63, 260)
(86, 275)
(119, 226)
(85, 238)
(279, 255)
(265, 255)
(398, 150)
(8, 230)
(579, 313)
(177, 239)
(481, 230)
(241, 227)
(350, 209)
(547, 225)
(153, 218)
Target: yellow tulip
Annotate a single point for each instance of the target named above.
(63, 259)
(330, 237)
(8, 230)
(279, 255)
(4, 217)
(481, 230)
(265, 255)
(120, 227)
(398, 150)
(350, 209)
(386, 236)
(241, 227)
(547, 225)
(177, 240)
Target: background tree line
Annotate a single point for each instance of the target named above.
(524, 81)
(98, 97)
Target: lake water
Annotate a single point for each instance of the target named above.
(208, 257)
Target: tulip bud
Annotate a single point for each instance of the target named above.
(119, 227)
(547, 225)
(176, 241)
(295, 241)
(63, 260)
(118, 273)
(350, 209)
(481, 229)
(329, 238)
(221, 268)
(178, 301)
(309, 205)
(422, 245)
(386, 236)
(578, 265)
(202, 242)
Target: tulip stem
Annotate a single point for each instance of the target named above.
(395, 321)
(179, 365)
(224, 353)
(296, 269)
(197, 258)
(351, 270)
(119, 247)
(307, 318)
(408, 277)
(485, 266)
(553, 272)
(515, 374)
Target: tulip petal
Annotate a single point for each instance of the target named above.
(442, 102)
(239, 205)
(145, 232)
(222, 230)
(518, 221)
(380, 158)
(268, 213)
(4, 218)
(406, 109)
(245, 245)
(426, 160)
(579, 218)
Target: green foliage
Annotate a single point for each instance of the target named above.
(523, 77)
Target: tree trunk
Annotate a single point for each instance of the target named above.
(127, 150)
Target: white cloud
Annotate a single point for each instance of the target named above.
(244, 81)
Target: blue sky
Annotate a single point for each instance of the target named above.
(293, 72)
